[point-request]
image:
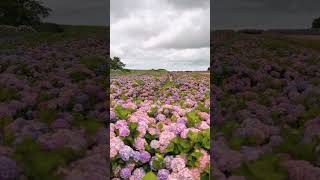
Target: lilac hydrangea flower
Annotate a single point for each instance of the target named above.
(138, 174)
(136, 156)
(125, 153)
(145, 156)
(125, 173)
(179, 128)
(124, 131)
(163, 174)
(112, 115)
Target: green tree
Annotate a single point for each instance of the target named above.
(116, 63)
(316, 23)
(22, 12)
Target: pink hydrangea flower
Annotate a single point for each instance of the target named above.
(196, 173)
(121, 123)
(177, 164)
(137, 174)
(167, 161)
(116, 143)
(204, 160)
(203, 125)
(184, 133)
(161, 117)
(139, 143)
(204, 116)
(153, 131)
(166, 137)
(154, 144)
(124, 131)
(185, 173)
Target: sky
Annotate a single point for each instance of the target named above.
(264, 14)
(174, 34)
(226, 14)
(161, 34)
(79, 12)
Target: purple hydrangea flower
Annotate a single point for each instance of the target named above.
(124, 131)
(163, 174)
(182, 120)
(179, 128)
(125, 153)
(145, 156)
(125, 173)
(138, 173)
(112, 115)
(136, 155)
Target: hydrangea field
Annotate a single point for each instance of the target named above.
(52, 104)
(267, 118)
(160, 125)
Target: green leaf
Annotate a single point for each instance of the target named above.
(150, 176)
(153, 111)
(122, 112)
(170, 148)
(193, 118)
(205, 176)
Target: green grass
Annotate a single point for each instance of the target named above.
(155, 73)
(281, 46)
(70, 33)
(313, 43)
(93, 62)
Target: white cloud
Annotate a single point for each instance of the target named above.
(160, 34)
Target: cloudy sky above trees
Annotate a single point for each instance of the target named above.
(174, 33)
(170, 34)
(225, 13)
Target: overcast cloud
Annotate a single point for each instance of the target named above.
(170, 34)
(79, 12)
(266, 14)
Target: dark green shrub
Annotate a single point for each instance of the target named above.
(8, 94)
(294, 146)
(48, 115)
(265, 168)
(39, 164)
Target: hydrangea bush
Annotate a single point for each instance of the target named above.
(160, 127)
